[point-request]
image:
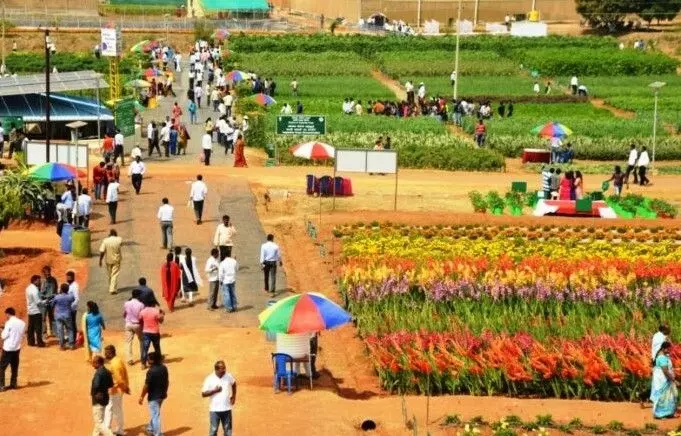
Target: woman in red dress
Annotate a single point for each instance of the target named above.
(566, 185)
(170, 278)
(239, 157)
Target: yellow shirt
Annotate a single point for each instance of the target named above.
(111, 246)
(119, 374)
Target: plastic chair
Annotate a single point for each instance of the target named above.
(283, 370)
(310, 184)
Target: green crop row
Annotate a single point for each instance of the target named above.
(22, 62)
(441, 63)
(301, 63)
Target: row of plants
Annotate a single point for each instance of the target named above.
(601, 367)
(441, 63)
(26, 62)
(495, 203)
(301, 63)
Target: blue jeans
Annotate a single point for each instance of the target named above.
(64, 331)
(147, 340)
(220, 417)
(192, 117)
(229, 296)
(154, 426)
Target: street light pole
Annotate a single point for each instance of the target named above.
(656, 86)
(48, 127)
(456, 55)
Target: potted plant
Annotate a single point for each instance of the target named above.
(495, 203)
(477, 201)
(514, 200)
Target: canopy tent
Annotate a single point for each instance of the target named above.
(31, 107)
(59, 82)
(235, 5)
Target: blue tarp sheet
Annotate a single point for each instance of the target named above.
(64, 108)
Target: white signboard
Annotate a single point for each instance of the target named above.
(529, 28)
(60, 153)
(366, 161)
(111, 42)
(351, 161)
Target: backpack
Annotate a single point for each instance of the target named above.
(192, 107)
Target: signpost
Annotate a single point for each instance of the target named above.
(301, 125)
(124, 114)
(110, 44)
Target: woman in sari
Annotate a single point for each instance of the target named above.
(170, 280)
(663, 392)
(93, 326)
(239, 157)
(191, 277)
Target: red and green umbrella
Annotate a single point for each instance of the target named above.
(303, 313)
(55, 172)
(264, 99)
(552, 129)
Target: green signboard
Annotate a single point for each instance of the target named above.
(124, 113)
(12, 122)
(301, 125)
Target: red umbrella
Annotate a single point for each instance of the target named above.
(313, 150)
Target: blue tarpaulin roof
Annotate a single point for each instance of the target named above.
(63, 108)
(235, 5)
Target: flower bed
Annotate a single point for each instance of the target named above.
(517, 311)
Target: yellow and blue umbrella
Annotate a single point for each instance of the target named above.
(303, 313)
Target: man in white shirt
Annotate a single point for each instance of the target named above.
(220, 387)
(643, 162)
(574, 84)
(165, 138)
(2, 140)
(422, 91)
(294, 88)
(212, 273)
(221, 125)
(197, 194)
(198, 93)
(165, 218)
(206, 147)
(409, 87)
(74, 291)
(135, 152)
(269, 257)
(84, 208)
(35, 317)
(223, 237)
(215, 98)
(631, 164)
(118, 147)
(452, 78)
(286, 109)
(228, 100)
(112, 199)
(136, 173)
(12, 335)
(227, 277)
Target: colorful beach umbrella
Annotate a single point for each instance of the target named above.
(552, 129)
(55, 172)
(303, 313)
(264, 99)
(313, 150)
(220, 34)
(236, 75)
(139, 47)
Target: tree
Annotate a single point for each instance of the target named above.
(607, 13)
(19, 196)
(660, 10)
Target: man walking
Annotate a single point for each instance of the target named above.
(220, 387)
(207, 147)
(150, 319)
(131, 314)
(223, 237)
(227, 276)
(110, 252)
(84, 208)
(62, 313)
(119, 374)
(269, 257)
(118, 147)
(136, 173)
(147, 296)
(212, 271)
(74, 291)
(643, 162)
(165, 138)
(12, 335)
(165, 217)
(631, 164)
(112, 199)
(197, 194)
(48, 289)
(99, 391)
(155, 389)
(35, 317)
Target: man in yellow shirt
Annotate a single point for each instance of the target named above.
(119, 373)
(110, 253)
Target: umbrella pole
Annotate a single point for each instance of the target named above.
(320, 209)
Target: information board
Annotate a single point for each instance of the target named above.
(110, 44)
(62, 153)
(301, 125)
(124, 113)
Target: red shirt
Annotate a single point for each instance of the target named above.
(150, 317)
(108, 144)
(480, 129)
(98, 174)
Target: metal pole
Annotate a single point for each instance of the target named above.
(333, 203)
(395, 205)
(456, 54)
(418, 14)
(475, 13)
(48, 126)
(99, 107)
(652, 166)
(3, 32)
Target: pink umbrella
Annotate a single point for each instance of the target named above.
(313, 150)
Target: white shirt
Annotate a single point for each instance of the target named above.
(227, 270)
(165, 212)
(13, 334)
(452, 76)
(112, 192)
(32, 299)
(643, 159)
(409, 87)
(207, 141)
(422, 91)
(118, 139)
(269, 252)
(84, 204)
(135, 152)
(536, 88)
(165, 133)
(633, 155)
(74, 290)
(228, 100)
(150, 131)
(198, 91)
(198, 191)
(212, 268)
(137, 168)
(286, 109)
(235, 135)
(574, 81)
(224, 235)
(2, 134)
(222, 126)
(220, 401)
